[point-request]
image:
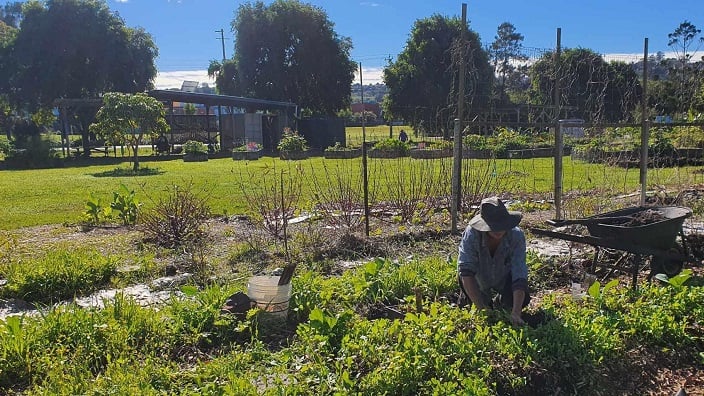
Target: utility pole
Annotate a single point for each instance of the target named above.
(222, 40)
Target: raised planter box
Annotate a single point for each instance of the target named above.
(293, 155)
(373, 153)
(544, 152)
(342, 154)
(246, 155)
(477, 154)
(197, 157)
(431, 153)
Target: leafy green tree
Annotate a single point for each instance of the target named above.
(685, 41)
(94, 53)
(128, 118)
(422, 83)
(598, 90)
(74, 49)
(7, 35)
(288, 51)
(226, 76)
(505, 52)
(11, 14)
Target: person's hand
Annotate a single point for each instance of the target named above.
(516, 319)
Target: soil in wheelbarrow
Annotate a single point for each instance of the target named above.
(644, 217)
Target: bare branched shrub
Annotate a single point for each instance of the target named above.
(339, 195)
(273, 197)
(413, 188)
(310, 242)
(480, 179)
(177, 219)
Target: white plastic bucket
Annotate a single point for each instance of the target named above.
(269, 297)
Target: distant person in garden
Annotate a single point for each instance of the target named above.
(403, 136)
(492, 260)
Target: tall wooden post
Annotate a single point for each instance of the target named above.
(364, 157)
(558, 130)
(645, 129)
(457, 146)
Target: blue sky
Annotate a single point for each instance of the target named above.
(185, 30)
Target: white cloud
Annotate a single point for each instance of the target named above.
(371, 75)
(369, 4)
(174, 79)
(121, 1)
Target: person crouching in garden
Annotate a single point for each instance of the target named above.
(492, 259)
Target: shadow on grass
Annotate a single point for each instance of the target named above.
(124, 172)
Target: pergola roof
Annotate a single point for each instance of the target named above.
(220, 100)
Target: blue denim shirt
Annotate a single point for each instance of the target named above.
(491, 272)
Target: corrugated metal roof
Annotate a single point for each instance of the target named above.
(220, 100)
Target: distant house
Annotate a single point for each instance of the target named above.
(370, 107)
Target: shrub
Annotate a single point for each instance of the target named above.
(292, 141)
(338, 147)
(195, 147)
(32, 152)
(5, 145)
(177, 220)
(442, 145)
(392, 145)
(508, 139)
(251, 146)
(475, 142)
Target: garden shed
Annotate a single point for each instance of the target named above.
(239, 119)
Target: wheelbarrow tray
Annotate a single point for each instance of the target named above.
(656, 238)
(660, 234)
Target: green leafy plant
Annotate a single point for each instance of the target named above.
(530, 206)
(195, 147)
(596, 292)
(676, 281)
(292, 141)
(59, 274)
(332, 327)
(508, 139)
(392, 145)
(95, 212)
(5, 146)
(441, 145)
(475, 142)
(125, 203)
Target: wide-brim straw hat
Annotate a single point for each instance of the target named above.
(493, 216)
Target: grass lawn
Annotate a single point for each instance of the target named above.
(51, 196)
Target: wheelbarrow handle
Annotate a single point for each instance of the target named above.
(591, 220)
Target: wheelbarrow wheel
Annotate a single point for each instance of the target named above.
(660, 265)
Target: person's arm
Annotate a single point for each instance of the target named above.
(518, 296)
(519, 274)
(472, 288)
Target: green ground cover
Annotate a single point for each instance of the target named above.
(329, 346)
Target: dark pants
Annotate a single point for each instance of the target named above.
(504, 298)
